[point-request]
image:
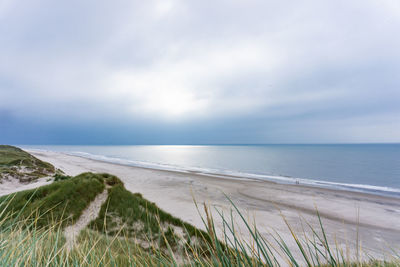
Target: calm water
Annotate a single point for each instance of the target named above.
(373, 168)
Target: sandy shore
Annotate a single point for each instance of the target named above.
(376, 219)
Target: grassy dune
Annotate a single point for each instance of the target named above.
(124, 215)
(61, 201)
(18, 164)
(130, 215)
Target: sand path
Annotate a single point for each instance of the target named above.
(89, 214)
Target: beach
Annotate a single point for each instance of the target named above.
(345, 215)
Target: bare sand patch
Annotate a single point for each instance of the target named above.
(9, 184)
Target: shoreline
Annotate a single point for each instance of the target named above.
(279, 179)
(243, 178)
(345, 214)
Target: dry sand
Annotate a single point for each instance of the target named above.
(11, 185)
(376, 219)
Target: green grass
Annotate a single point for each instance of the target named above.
(60, 176)
(133, 216)
(22, 246)
(60, 201)
(132, 208)
(19, 164)
(124, 214)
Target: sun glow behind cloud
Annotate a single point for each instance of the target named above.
(157, 95)
(190, 86)
(173, 103)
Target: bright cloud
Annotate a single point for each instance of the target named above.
(239, 68)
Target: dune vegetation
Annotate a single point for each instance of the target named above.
(18, 164)
(124, 215)
(129, 230)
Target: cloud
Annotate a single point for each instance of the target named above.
(237, 67)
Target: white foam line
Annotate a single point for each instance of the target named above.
(236, 174)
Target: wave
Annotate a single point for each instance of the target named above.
(381, 190)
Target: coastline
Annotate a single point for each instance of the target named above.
(369, 188)
(345, 214)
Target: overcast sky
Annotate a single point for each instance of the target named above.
(199, 72)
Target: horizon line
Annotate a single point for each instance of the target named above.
(213, 144)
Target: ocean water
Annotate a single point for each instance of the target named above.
(373, 168)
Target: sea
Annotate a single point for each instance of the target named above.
(371, 168)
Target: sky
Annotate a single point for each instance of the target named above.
(199, 72)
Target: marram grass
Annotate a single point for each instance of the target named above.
(24, 243)
(16, 163)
